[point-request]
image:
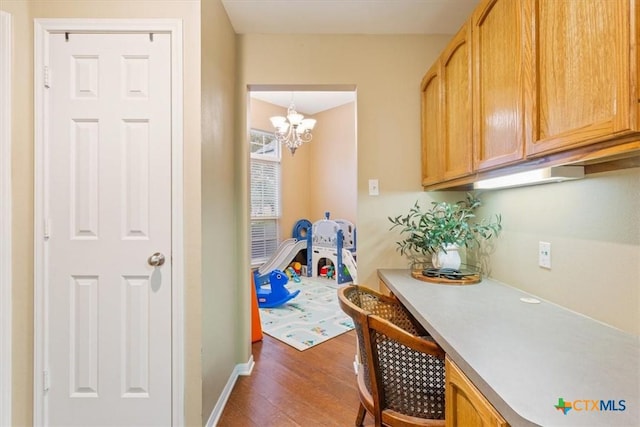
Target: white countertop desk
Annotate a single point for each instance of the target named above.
(524, 357)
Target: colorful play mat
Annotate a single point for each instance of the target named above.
(312, 317)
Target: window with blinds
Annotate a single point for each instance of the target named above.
(265, 195)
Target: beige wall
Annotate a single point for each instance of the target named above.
(594, 229)
(225, 329)
(22, 211)
(22, 160)
(332, 177)
(386, 71)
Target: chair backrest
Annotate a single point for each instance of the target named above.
(403, 367)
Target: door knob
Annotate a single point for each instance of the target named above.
(156, 260)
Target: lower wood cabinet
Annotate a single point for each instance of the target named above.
(382, 287)
(466, 406)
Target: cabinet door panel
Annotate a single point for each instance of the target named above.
(499, 47)
(466, 406)
(456, 110)
(584, 82)
(430, 117)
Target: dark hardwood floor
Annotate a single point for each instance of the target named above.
(315, 387)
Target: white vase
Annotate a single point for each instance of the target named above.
(448, 259)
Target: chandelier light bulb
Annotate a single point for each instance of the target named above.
(294, 118)
(308, 123)
(278, 121)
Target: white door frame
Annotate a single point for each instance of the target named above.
(43, 29)
(6, 40)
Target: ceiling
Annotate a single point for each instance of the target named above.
(348, 16)
(307, 102)
(341, 17)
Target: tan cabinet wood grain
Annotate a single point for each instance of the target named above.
(456, 114)
(551, 82)
(501, 43)
(446, 96)
(430, 133)
(586, 84)
(383, 288)
(465, 405)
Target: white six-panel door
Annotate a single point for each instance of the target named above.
(108, 207)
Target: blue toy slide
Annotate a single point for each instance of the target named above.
(277, 294)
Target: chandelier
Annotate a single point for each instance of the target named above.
(293, 130)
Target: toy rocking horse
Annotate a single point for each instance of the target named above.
(278, 294)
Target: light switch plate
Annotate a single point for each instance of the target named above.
(374, 189)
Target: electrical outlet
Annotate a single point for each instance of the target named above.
(374, 190)
(544, 255)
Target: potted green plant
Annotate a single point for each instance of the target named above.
(441, 230)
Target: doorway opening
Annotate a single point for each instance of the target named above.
(320, 177)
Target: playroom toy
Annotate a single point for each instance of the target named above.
(280, 260)
(332, 243)
(326, 242)
(277, 294)
(331, 272)
(301, 229)
(292, 275)
(323, 271)
(297, 267)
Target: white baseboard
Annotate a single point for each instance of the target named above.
(240, 369)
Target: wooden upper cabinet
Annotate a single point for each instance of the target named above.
(430, 133)
(531, 78)
(455, 62)
(501, 66)
(446, 113)
(586, 82)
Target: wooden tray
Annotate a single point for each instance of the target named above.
(467, 280)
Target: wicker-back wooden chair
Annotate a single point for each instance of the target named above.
(401, 373)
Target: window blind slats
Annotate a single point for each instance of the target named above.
(265, 188)
(265, 195)
(264, 239)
